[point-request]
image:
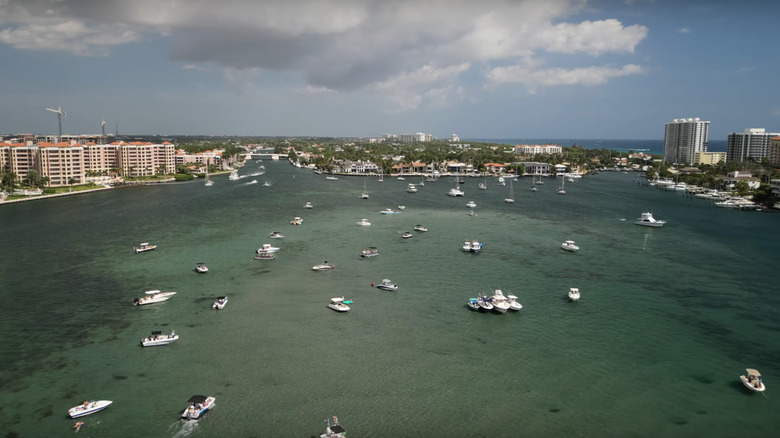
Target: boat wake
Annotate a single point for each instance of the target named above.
(183, 428)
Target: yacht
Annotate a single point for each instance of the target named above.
(411, 188)
(513, 304)
(753, 380)
(569, 245)
(420, 228)
(371, 251)
(296, 221)
(456, 191)
(364, 223)
(334, 430)
(267, 248)
(153, 296)
(201, 268)
(263, 255)
(308, 205)
(276, 235)
(88, 407)
(199, 405)
(499, 301)
(472, 246)
(338, 304)
(387, 285)
(647, 220)
(574, 294)
(157, 338)
(389, 211)
(484, 302)
(324, 266)
(473, 304)
(220, 303)
(471, 204)
(144, 247)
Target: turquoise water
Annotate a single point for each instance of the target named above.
(668, 318)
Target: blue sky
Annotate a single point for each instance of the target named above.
(489, 69)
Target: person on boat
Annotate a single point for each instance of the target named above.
(78, 425)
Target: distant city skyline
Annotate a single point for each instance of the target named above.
(601, 69)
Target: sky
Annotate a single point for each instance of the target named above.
(600, 69)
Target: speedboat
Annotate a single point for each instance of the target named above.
(569, 245)
(324, 266)
(267, 184)
(267, 248)
(371, 251)
(264, 255)
(308, 205)
(144, 247)
(234, 175)
(513, 304)
(472, 246)
(220, 303)
(407, 235)
(296, 221)
(402, 207)
(332, 178)
(647, 220)
(276, 235)
(420, 228)
(387, 285)
(456, 191)
(499, 301)
(334, 430)
(411, 188)
(484, 302)
(199, 405)
(153, 296)
(338, 304)
(389, 211)
(753, 380)
(364, 195)
(201, 268)
(88, 407)
(473, 304)
(471, 204)
(254, 181)
(364, 223)
(157, 338)
(574, 294)
(400, 178)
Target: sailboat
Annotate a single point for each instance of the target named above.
(364, 195)
(511, 198)
(561, 190)
(381, 177)
(483, 186)
(209, 182)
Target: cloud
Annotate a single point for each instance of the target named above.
(416, 52)
(684, 30)
(532, 76)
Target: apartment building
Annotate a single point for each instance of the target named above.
(525, 149)
(62, 163)
(683, 138)
(753, 143)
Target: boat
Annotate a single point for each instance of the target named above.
(334, 430)
(381, 177)
(471, 204)
(254, 181)
(296, 221)
(569, 245)
(482, 186)
(456, 191)
(473, 304)
(561, 189)
(338, 304)
(199, 405)
(511, 198)
(324, 266)
(538, 179)
(402, 207)
(501, 181)
(753, 380)
(234, 175)
(499, 301)
(364, 222)
(267, 248)
(219, 304)
(267, 184)
(420, 228)
(308, 205)
(389, 211)
(387, 285)
(157, 338)
(201, 268)
(276, 235)
(88, 407)
(411, 188)
(153, 296)
(263, 255)
(407, 235)
(513, 304)
(484, 302)
(146, 246)
(209, 182)
(533, 188)
(574, 294)
(331, 178)
(364, 194)
(371, 251)
(647, 220)
(472, 246)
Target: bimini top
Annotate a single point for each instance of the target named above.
(337, 429)
(197, 399)
(152, 292)
(753, 372)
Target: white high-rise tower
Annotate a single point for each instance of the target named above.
(683, 138)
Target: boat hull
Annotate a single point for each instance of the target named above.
(750, 386)
(156, 342)
(91, 408)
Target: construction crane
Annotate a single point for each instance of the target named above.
(60, 115)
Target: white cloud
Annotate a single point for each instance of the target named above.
(532, 76)
(684, 30)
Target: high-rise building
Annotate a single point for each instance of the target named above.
(774, 150)
(752, 144)
(683, 138)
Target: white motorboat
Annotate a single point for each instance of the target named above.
(332, 178)
(471, 204)
(501, 181)
(364, 223)
(338, 304)
(411, 188)
(472, 246)
(88, 407)
(324, 266)
(267, 248)
(402, 207)
(407, 235)
(157, 338)
(276, 235)
(499, 301)
(296, 221)
(400, 178)
(201, 268)
(144, 247)
(220, 303)
(371, 251)
(199, 405)
(473, 304)
(333, 430)
(569, 245)
(262, 255)
(387, 285)
(364, 195)
(308, 205)
(389, 211)
(752, 380)
(484, 302)
(420, 228)
(153, 296)
(254, 181)
(456, 191)
(267, 184)
(574, 293)
(513, 304)
(647, 220)
(234, 175)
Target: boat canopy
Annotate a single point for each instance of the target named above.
(197, 399)
(152, 292)
(145, 244)
(386, 281)
(753, 372)
(337, 429)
